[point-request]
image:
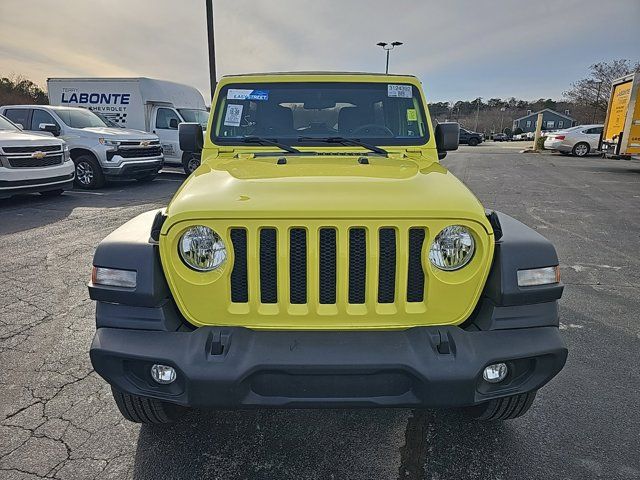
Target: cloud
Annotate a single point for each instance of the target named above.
(460, 49)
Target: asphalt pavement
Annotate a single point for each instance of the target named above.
(57, 418)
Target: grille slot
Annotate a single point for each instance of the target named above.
(47, 161)
(357, 265)
(268, 266)
(328, 266)
(141, 152)
(415, 278)
(32, 149)
(239, 281)
(387, 265)
(298, 266)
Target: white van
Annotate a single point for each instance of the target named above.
(32, 162)
(155, 106)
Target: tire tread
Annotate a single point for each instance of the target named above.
(145, 410)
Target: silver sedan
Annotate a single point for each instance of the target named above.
(578, 141)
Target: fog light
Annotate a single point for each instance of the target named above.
(495, 373)
(163, 374)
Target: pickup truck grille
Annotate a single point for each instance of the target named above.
(369, 259)
(22, 156)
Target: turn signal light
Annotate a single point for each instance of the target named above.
(113, 277)
(538, 276)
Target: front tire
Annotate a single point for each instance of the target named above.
(506, 408)
(190, 163)
(88, 172)
(580, 149)
(473, 142)
(146, 410)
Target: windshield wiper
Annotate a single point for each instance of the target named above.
(266, 141)
(345, 141)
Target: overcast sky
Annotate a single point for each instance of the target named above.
(459, 49)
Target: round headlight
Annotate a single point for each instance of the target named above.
(202, 249)
(452, 248)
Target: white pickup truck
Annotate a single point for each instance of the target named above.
(99, 152)
(155, 106)
(31, 162)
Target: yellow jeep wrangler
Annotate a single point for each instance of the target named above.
(321, 256)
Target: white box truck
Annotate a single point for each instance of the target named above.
(155, 106)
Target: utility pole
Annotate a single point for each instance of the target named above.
(595, 105)
(387, 47)
(477, 113)
(538, 132)
(212, 47)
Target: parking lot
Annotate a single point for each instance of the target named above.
(58, 419)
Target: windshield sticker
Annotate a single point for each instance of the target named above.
(412, 115)
(233, 116)
(243, 94)
(400, 91)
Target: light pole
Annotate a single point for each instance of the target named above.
(477, 113)
(387, 47)
(212, 47)
(502, 109)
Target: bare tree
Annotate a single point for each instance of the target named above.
(593, 91)
(19, 90)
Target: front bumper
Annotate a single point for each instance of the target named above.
(238, 367)
(135, 168)
(9, 188)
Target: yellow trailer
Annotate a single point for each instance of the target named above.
(621, 134)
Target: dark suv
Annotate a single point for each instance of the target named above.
(470, 138)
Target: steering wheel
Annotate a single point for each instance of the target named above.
(372, 127)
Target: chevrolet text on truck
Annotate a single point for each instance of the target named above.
(322, 256)
(99, 152)
(155, 106)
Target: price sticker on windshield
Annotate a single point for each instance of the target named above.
(233, 116)
(399, 91)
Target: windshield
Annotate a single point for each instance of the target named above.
(107, 121)
(192, 115)
(7, 125)
(79, 118)
(298, 113)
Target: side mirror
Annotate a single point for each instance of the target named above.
(50, 127)
(173, 124)
(20, 126)
(447, 138)
(190, 136)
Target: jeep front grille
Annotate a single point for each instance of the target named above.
(381, 265)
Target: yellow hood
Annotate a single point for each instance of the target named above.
(324, 186)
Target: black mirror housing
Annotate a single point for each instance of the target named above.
(447, 136)
(191, 137)
(173, 124)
